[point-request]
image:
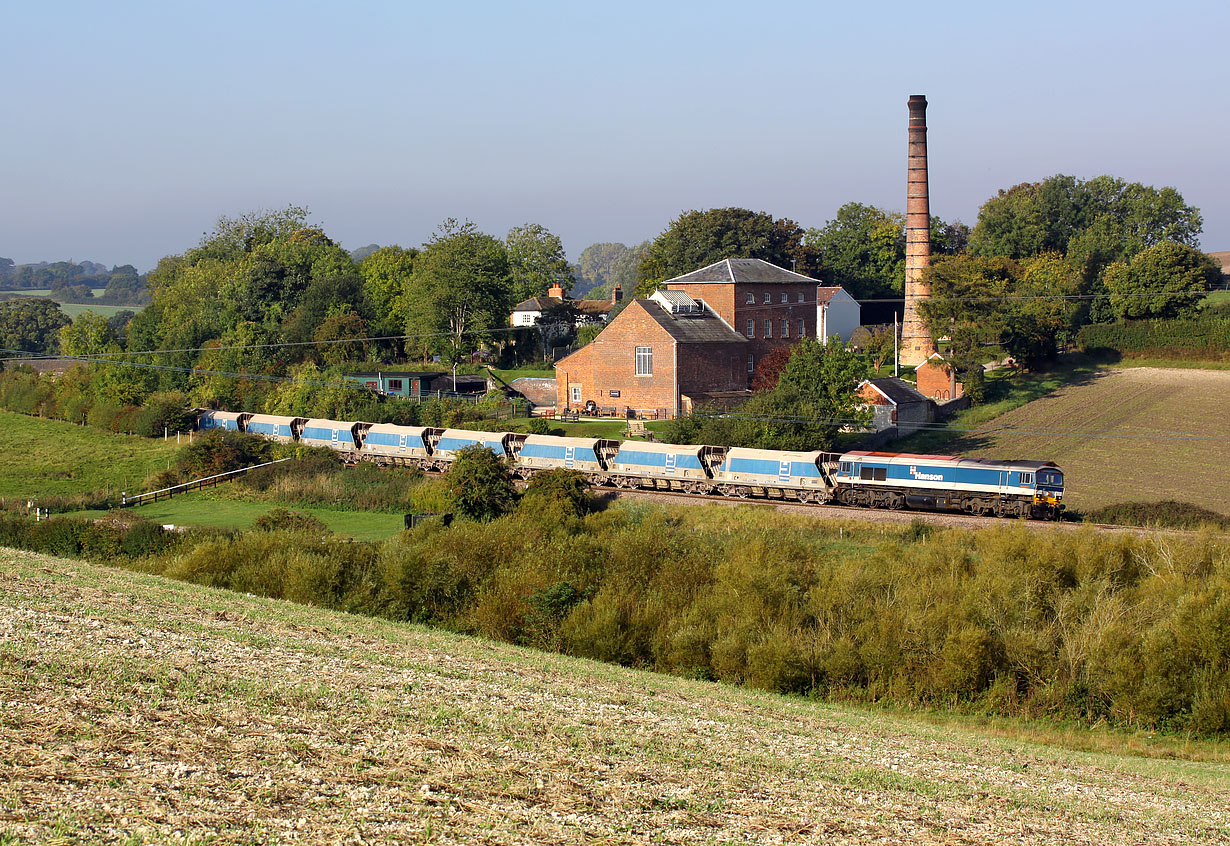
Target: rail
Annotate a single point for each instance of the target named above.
(127, 501)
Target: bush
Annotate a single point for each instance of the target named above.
(282, 519)
(480, 483)
(218, 451)
(1167, 514)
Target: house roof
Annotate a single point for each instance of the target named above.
(696, 328)
(825, 294)
(595, 307)
(537, 304)
(896, 391)
(743, 270)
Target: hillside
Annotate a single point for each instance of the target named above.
(137, 708)
(1124, 436)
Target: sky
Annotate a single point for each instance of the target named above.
(129, 128)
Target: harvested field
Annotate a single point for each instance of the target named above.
(137, 709)
(1145, 418)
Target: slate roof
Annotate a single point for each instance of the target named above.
(537, 304)
(743, 270)
(898, 391)
(703, 328)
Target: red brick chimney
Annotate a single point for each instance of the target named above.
(916, 342)
(617, 293)
(556, 291)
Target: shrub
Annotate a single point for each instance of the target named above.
(282, 519)
(480, 483)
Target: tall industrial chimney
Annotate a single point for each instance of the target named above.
(916, 342)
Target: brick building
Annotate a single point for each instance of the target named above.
(658, 357)
(769, 305)
(895, 402)
(937, 379)
(529, 312)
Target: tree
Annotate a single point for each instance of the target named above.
(699, 238)
(536, 261)
(459, 289)
(89, 334)
(863, 249)
(881, 345)
(31, 324)
(596, 265)
(1166, 280)
(480, 483)
(386, 277)
(980, 302)
(1093, 223)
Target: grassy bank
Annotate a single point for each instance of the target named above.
(54, 458)
(145, 710)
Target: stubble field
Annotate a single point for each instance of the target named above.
(1138, 434)
(134, 709)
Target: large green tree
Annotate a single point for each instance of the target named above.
(596, 265)
(386, 275)
(536, 261)
(699, 238)
(459, 290)
(31, 324)
(1093, 222)
(1166, 280)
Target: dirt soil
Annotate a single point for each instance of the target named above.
(1161, 434)
(135, 709)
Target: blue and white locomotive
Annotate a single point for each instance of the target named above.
(857, 478)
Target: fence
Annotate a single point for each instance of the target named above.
(127, 501)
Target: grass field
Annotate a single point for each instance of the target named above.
(50, 457)
(200, 509)
(1122, 435)
(1217, 297)
(143, 710)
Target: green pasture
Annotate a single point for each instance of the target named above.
(54, 458)
(199, 509)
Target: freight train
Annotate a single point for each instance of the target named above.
(892, 480)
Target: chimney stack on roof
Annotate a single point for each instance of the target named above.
(617, 293)
(556, 291)
(916, 342)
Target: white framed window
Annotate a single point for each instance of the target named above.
(768, 298)
(751, 328)
(751, 363)
(802, 297)
(785, 328)
(575, 392)
(785, 298)
(768, 327)
(802, 328)
(644, 361)
(751, 298)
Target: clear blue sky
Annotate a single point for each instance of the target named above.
(130, 127)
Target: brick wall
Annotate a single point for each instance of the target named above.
(605, 370)
(729, 300)
(938, 380)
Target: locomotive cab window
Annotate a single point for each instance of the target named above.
(1027, 478)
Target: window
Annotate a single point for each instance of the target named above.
(751, 298)
(1027, 478)
(785, 298)
(751, 328)
(768, 298)
(873, 474)
(802, 297)
(395, 384)
(575, 392)
(751, 363)
(802, 328)
(768, 328)
(644, 361)
(785, 328)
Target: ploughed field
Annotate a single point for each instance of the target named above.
(1147, 418)
(136, 709)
